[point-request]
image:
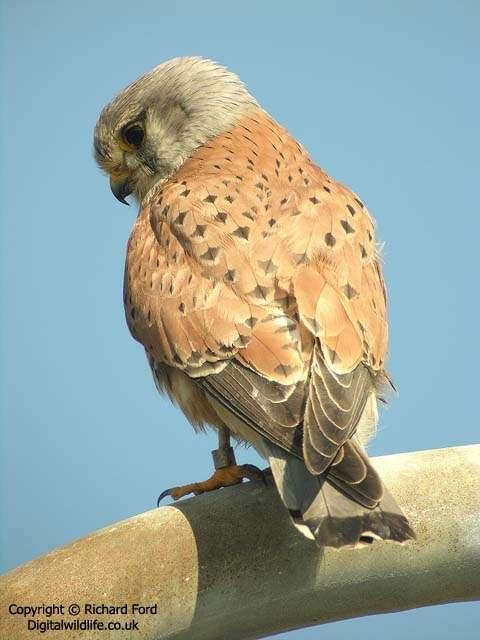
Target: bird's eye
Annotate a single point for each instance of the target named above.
(133, 135)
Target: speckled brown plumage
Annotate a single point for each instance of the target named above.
(252, 255)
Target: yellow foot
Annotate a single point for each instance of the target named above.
(223, 477)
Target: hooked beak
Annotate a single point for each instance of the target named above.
(121, 188)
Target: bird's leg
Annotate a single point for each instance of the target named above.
(227, 471)
(224, 456)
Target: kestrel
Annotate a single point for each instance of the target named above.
(253, 282)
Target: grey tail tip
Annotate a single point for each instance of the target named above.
(334, 511)
(363, 530)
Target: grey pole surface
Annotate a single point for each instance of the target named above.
(231, 565)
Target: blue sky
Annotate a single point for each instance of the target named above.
(384, 95)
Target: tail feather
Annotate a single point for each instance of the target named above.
(332, 517)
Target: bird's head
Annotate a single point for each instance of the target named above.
(148, 131)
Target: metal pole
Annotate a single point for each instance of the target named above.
(230, 564)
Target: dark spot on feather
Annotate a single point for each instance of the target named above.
(268, 266)
(199, 231)
(314, 200)
(242, 341)
(211, 198)
(351, 209)
(180, 218)
(330, 240)
(210, 254)
(347, 227)
(230, 275)
(242, 232)
(221, 216)
(284, 369)
(349, 291)
(259, 292)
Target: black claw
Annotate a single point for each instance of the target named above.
(163, 495)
